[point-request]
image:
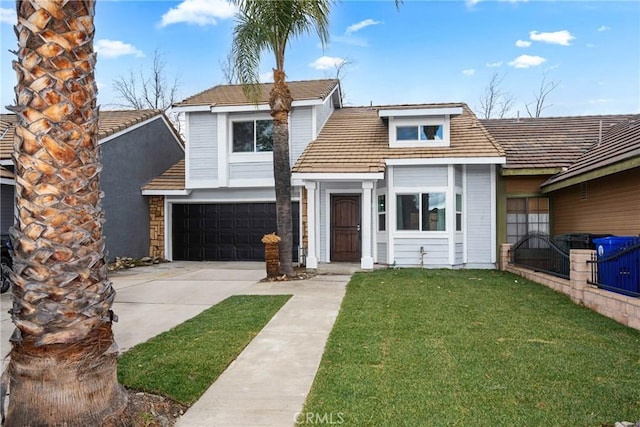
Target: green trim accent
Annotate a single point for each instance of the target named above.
(589, 176)
(530, 171)
(501, 211)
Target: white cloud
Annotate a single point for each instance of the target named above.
(563, 37)
(472, 3)
(8, 16)
(469, 72)
(266, 77)
(199, 12)
(115, 48)
(327, 63)
(603, 28)
(494, 64)
(360, 25)
(527, 61)
(523, 43)
(600, 101)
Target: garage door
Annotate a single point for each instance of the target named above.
(226, 231)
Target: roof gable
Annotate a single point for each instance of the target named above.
(356, 140)
(111, 122)
(228, 95)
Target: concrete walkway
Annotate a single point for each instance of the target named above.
(268, 383)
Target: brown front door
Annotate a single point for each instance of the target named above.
(345, 228)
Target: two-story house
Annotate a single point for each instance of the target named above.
(408, 185)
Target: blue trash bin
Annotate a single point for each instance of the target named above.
(619, 273)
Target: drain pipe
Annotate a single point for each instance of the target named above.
(422, 253)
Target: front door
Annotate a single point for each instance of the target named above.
(345, 228)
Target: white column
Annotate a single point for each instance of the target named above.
(312, 256)
(366, 262)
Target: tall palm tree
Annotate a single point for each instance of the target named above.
(269, 26)
(63, 359)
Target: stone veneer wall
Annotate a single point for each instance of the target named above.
(156, 226)
(621, 308)
(303, 208)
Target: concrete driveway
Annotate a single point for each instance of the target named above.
(154, 299)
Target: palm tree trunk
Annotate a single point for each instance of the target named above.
(280, 102)
(62, 366)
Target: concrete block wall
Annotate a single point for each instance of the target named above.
(621, 308)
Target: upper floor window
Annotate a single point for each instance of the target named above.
(252, 136)
(420, 133)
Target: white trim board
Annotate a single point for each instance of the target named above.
(298, 178)
(447, 161)
(410, 112)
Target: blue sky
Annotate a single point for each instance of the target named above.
(424, 51)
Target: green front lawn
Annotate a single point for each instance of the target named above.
(472, 348)
(183, 362)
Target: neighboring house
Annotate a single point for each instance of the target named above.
(136, 145)
(538, 149)
(600, 192)
(407, 185)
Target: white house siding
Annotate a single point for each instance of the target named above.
(458, 172)
(202, 150)
(478, 216)
(382, 252)
(251, 170)
(326, 188)
(407, 251)
(459, 253)
(420, 176)
(322, 114)
(299, 131)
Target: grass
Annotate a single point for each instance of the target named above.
(184, 361)
(483, 348)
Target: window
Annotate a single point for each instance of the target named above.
(458, 212)
(382, 213)
(420, 133)
(421, 212)
(526, 215)
(252, 136)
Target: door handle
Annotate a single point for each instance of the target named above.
(358, 228)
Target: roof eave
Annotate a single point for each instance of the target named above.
(559, 182)
(166, 192)
(530, 171)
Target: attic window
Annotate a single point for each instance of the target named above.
(420, 133)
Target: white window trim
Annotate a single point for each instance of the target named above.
(444, 121)
(382, 234)
(255, 156)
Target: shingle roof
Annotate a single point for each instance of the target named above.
(111, 121)
(356, 139)
(548, 142)
(233, 94)
(171, 179)
(621, 142)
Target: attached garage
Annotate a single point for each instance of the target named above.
(226, 231)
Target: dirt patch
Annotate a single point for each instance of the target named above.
(149, 410)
